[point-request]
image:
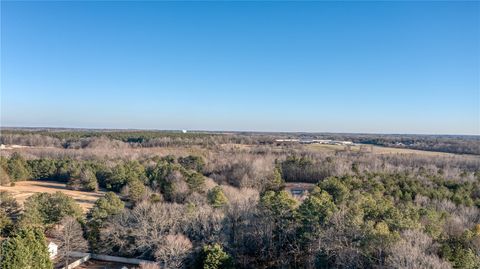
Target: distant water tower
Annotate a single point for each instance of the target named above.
(184, 131)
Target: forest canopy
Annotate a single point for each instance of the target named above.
(232, 202)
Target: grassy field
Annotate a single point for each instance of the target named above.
(24, 189)
(376, 150)
(105, 153)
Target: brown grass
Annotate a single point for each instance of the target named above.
(105, 153)
(24, 189)
(377, 150)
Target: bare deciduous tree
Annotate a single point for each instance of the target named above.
(147, 224)
(413, 251)
(173, 251)
(70, 236)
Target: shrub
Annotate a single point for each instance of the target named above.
(217, 198)
(192, 162)
(135, 190)
(457, 250)
(195, 181)
(214, 257)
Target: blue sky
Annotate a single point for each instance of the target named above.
(382, 67)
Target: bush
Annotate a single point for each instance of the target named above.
(192, 163)
(217, 198)
(457, 250)
(195, 181)
(214, 257)
(135, 190)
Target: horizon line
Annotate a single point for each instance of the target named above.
(229, 131)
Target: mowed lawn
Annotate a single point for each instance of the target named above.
(24, 189)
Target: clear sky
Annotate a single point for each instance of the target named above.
(385, 67)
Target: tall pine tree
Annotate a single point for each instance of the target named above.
(27, 249)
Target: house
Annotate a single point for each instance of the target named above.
(299, 190)
(287, 140)
(52, 249)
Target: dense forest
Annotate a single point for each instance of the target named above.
(200, 200)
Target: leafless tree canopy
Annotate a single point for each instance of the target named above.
(250, 201)
(69, 235)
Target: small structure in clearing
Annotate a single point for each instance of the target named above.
(298, 190)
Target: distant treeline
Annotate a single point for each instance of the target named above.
(83, 139)
(449, 144)
(71, 138)
(125, 136)
(459, 144)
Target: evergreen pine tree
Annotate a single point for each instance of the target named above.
(27, 249)
(217, 198)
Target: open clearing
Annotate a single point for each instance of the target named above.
(24, 189)
(377, 150)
